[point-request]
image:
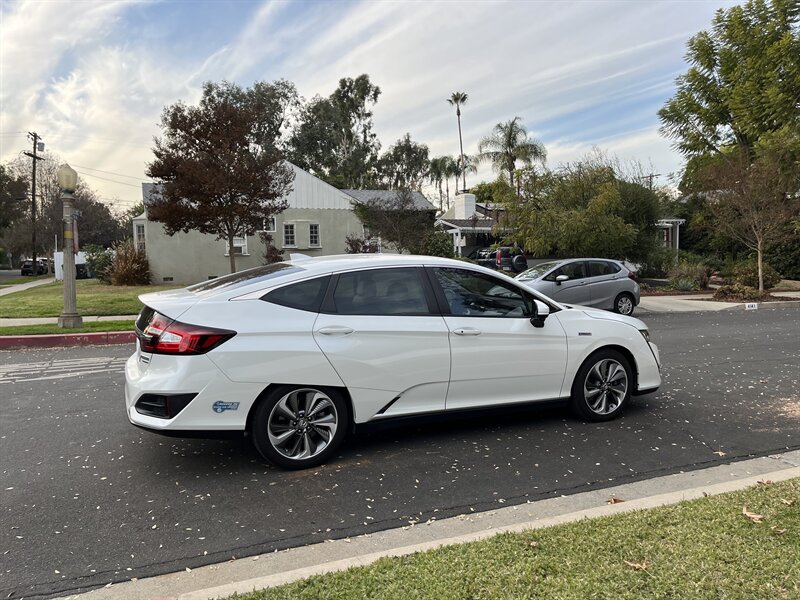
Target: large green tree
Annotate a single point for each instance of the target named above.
(508, 144)
(743, 80)
(583, 209)
(334, 139)
(219, 163)
(405, 165)
(397, 221)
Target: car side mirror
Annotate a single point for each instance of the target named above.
(561, 278)
(542, 311)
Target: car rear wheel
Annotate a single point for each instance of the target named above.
(602, 386)
(297, 427)
(624, 304)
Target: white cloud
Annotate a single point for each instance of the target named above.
(96, 93)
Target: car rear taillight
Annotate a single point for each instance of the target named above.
(162, 335)
(631, 275)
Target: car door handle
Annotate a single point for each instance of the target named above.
(467, 331)
(335, 330)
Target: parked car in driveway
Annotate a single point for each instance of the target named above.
(504, 258)
(297, 353)
(597, 282)
(27, 268)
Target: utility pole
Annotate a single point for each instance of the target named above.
(37, 145)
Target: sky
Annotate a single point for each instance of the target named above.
(92, 77)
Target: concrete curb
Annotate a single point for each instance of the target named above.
(60, 340)
(267, 570)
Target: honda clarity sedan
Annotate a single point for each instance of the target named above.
(298, 353)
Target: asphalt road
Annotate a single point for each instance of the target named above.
(86, 499)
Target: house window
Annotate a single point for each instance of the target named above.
(268, 225)
(313, 235)
(288, 234)
(239, 246)
(140, 247)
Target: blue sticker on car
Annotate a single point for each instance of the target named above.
(221, 406)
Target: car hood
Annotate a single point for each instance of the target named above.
(596, 313)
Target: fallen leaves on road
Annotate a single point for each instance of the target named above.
(614, 500)
(721, 453)
(754, 517)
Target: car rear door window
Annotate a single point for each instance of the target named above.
(381, 292)
(304, 295)
(598, 268)
(472, 294)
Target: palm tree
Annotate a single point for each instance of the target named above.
(509, 143)
(458, 99)
(436, 174)
(469, 165)
(451, 169)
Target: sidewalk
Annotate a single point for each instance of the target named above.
(18, 287)
(267, 570)
(698, 303)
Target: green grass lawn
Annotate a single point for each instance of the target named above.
(94, 298)
(26, 279)
(703, 548)
(87, 328)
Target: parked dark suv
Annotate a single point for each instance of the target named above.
(504, 258)
(27, 268)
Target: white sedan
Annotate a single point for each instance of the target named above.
(296, 353)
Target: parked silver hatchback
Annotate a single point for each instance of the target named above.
(597, 282)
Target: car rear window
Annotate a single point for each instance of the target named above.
(242, 278)
(304, 295)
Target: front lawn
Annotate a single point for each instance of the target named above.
(94, 298)
(705, 548)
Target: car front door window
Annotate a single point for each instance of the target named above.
(473, 294)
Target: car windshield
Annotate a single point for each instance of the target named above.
(537, 271)
(242, 278)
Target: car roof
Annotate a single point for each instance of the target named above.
(309, 267)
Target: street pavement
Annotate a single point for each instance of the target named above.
(86, 499)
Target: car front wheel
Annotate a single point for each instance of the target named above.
(297, 427)
(624, 304)
(602, 386)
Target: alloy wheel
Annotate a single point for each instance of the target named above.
(605, 386)
(302, 423)
(624, 305)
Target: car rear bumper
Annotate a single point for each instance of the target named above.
(218, 404)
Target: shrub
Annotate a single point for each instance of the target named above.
(691, 269)
(99, 261)
(272, 253)
(658, 263)
(130, 266)
(747, 275)
(438, 243)
(738, 293)
(683, 284)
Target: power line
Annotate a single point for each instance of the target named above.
(109, 172)
(133, 185)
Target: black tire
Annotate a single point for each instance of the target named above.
(596, 391)
(284, 433)
(519, 263)
(624, 304)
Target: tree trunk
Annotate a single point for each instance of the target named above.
(447, 187)
(461, 147)
(231, 254)
(511, 172)
(760, 253)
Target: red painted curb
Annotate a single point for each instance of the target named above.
(59, 340)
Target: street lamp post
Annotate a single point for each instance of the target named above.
(67, 181)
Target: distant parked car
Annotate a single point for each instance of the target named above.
(27, 268)
(597, 282)
(504, 258)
